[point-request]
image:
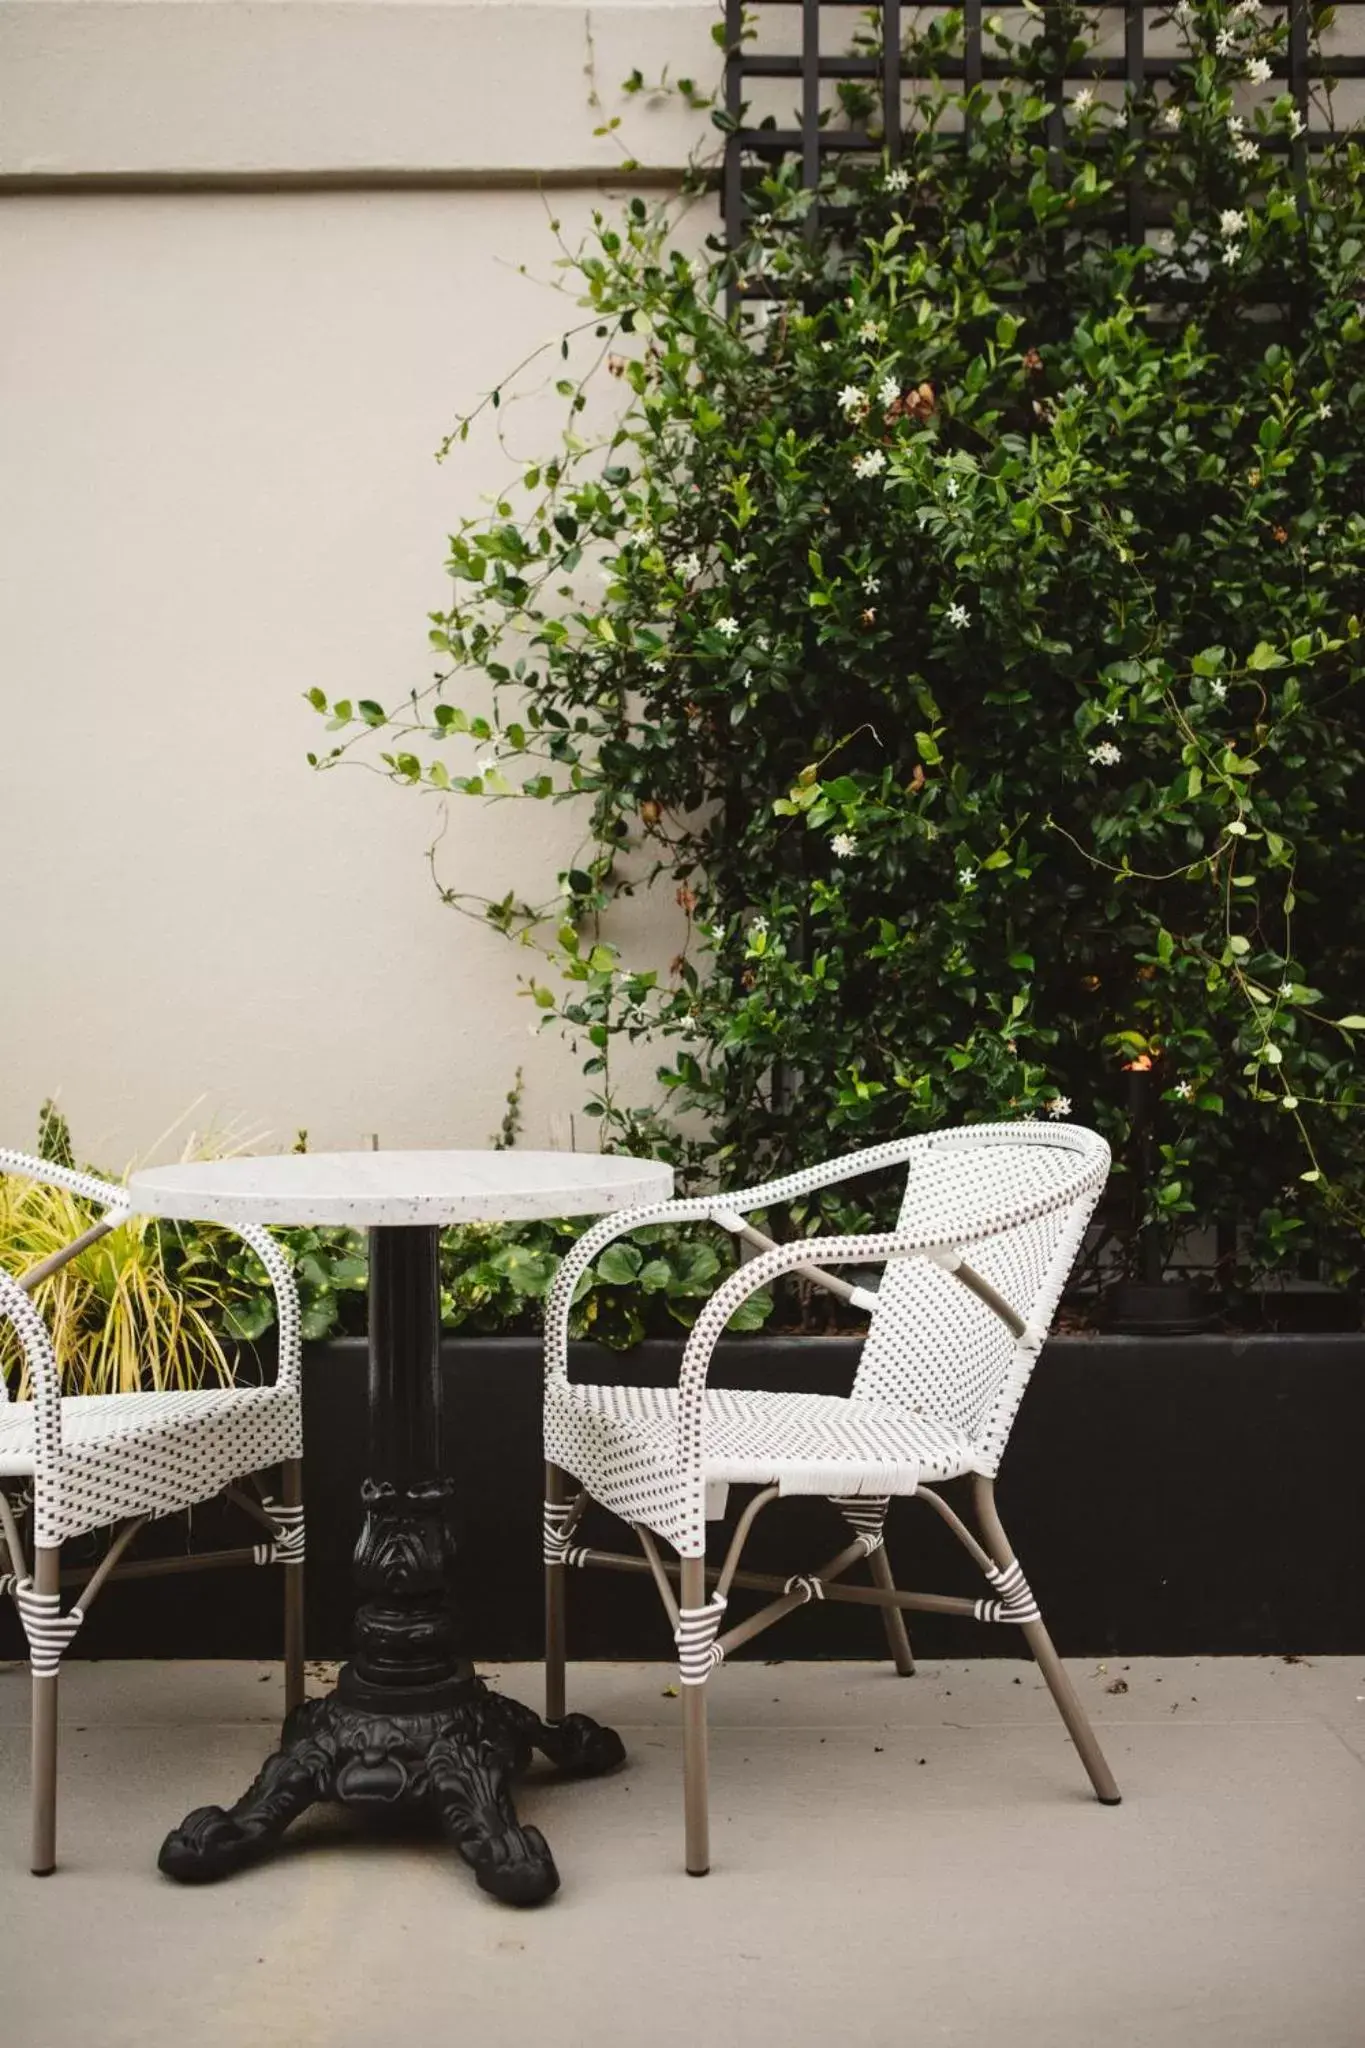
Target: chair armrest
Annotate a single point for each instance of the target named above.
(41, 1361)
(288, 1313)
(89, 1185)
(107, 1192)
(726, 1209)
(117, 1206)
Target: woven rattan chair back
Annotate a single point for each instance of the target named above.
(932, 1344)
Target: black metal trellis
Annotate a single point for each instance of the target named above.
(749, 149)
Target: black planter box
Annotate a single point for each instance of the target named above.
(1190, 1495)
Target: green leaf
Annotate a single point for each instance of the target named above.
(753, 1312)
(620, 1265)
(248, 1320)
(319, 1318)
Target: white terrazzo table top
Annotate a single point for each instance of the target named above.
(369, 1190)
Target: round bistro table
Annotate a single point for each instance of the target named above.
(410, 1727)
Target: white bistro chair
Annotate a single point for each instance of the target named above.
(991, 1222)
(80, 1464)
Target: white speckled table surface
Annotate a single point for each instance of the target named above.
(372, 1190)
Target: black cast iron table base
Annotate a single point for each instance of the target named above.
(449, 1754)
(410, 1732)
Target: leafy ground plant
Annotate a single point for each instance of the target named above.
(134, 1311)
(158, 1304)
(966, 636)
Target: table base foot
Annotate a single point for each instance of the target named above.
(447, 1754)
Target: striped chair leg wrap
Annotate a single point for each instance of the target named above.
(1016, 1602)
(866, 1516)
(698, 1651)
(559, 1518)
(808, 1588)
(287, 1545)
(47, 1628)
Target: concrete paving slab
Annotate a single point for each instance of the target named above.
(895, 1860)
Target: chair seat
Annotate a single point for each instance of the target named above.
(802, 1443)
(134, 1454)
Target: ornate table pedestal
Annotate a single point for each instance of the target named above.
(410, 1728)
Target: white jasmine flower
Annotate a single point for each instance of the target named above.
(852, 402)
(1171, 114)
(1218, 689)
(1324, 412)
(1231, 251)
(1245, 150)
(1113, 717)
(869, 331)
(897, 179)
(872, 584)
(729, 627)
(758, 927)
(844, 843)
(958, 615)
(950, 484)
(1106, 754)
(1258, 70)
(1084, 100)
(1296, 123)
(1245, 8)
(1183, 1090)
(1183, 13)
(870, 464)
(486, 764)
(688, 567)
(1060, 1105)
(1286, 988)
(888, 391)
(966, 875)
(827, 348)
(1224, 41)
(1231, 222)
(656, 668)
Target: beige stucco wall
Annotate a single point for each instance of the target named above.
(217, 414)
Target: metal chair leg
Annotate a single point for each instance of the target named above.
(46, 1579)
(291, 1490)
(554, 1614)
(696, 1801)
(897, 1635)
(1045, 1655)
